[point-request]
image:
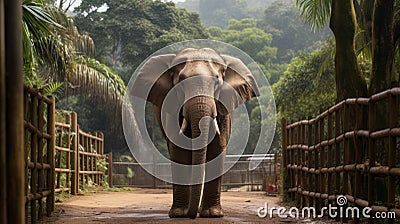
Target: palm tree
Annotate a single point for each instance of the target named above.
(369, 27)
(55, 52)
(342, 21)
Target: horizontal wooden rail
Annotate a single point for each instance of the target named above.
(90, 136)
(38, 166)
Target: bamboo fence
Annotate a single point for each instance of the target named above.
(59, 156)
(352, 149)
(39, 153)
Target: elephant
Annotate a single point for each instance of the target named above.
(211, 85)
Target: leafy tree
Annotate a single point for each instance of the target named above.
(254, 41)
(303, 90)
(129, 31)
(289, 34)
(54, 51)
(218, 13)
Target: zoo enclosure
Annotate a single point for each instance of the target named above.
(351, 149)
(130, 174)
(58, 155)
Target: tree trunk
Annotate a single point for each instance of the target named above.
(396, 30)
(349, 82)
(366, 23)
(382, 74)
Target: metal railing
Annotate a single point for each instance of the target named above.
(130, 174)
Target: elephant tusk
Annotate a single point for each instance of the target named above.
(183, 127)
(216, 126)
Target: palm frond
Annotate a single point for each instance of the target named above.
(97, 80)
(55, 52)
(329, 59)
(37, 23)
(316, 13)
(363, 44)
(53, 88)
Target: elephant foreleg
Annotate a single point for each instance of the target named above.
(211, 204)
(180, 201)
(181, 193)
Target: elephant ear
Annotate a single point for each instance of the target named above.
(153, 81)
(242, 85)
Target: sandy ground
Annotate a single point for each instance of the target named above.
(152, 206)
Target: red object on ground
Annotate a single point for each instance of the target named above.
(271, 187)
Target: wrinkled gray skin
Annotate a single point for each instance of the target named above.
(203, 63)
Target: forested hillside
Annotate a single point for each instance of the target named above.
(271, 32)
(288, 39)
(218, 13)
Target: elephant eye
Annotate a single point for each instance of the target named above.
(181, 77)
(217, 83)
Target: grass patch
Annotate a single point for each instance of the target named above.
(121, 189)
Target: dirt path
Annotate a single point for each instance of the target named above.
(151, 206)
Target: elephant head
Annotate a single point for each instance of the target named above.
(210, 85)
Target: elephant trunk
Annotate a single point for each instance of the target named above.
(200, 135)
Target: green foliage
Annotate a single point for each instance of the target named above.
(121, 189)
(254, 41)
(55, 53)
(302, 92)
(315, 12)
(129, 31)
(218, 13)
(93, 116)
(289, 33)
(48, 88)
(99, 80)
(130, 172)
(37, 25)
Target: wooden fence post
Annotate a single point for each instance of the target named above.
(110, 171)
(50, 200)
(322, 175)
(75, 156)
(315, 151)
(338, 128)
(40, 128)
(284, 163)
(14, 111)
(309, 163)
(371, 154)
(303, 164)
(392, 159)
(3, 165)
(3, 135)
(330, 162)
